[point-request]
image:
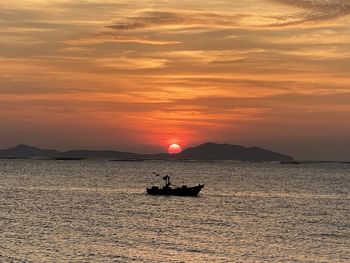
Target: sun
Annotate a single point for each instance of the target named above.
(174, 148)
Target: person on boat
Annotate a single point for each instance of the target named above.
(167, 181)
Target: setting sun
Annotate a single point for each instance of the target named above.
(174, 148)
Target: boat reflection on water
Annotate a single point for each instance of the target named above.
(167, 189)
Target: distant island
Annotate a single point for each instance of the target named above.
(206, 151)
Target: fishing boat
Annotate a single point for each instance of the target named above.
(170, 189)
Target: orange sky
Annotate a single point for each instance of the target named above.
(140, 75)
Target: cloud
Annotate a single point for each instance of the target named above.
(125, 63)
(314, 11)
(109, 38)
(153, 19)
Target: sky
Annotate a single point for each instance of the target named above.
(141, 75)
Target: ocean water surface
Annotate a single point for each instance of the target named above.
(97, 211)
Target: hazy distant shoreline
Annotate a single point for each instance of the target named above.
(206, 151)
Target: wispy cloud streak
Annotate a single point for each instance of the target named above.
(152, 19)
(314, 11)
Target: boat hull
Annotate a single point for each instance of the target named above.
(179, 191)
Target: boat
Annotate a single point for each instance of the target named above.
(170, 189)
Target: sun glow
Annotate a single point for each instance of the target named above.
(174, 148)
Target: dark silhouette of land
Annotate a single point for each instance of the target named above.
(207, 151)
(214, 151)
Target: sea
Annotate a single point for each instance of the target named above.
(98, 211)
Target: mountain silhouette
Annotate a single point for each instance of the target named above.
(206, 151)
(214, 151)
(22, 150)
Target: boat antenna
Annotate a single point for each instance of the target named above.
(156, 174)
